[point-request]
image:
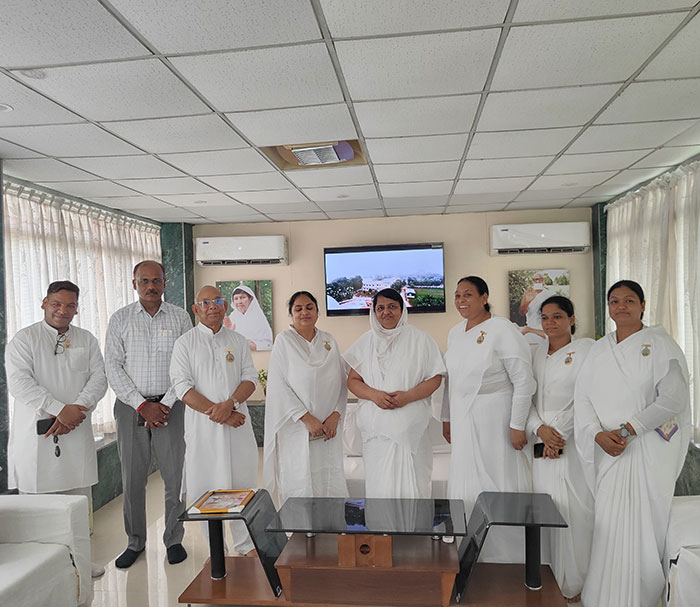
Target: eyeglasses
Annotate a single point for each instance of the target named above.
(60, 346)
(205, 303)
(144, 281)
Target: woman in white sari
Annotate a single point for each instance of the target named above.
(485, 408)
(304, 408)
(632, 424)
(395, 369)
(556, 468)
(248, 319)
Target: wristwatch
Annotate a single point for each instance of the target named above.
(236, 404)
(624, 432)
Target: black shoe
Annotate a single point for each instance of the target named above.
(176, 554)
(127, 558)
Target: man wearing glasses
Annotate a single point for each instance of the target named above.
(138, 346)
(56, 375)
(212, 372)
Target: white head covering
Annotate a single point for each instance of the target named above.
(253, 324)
(384, 338)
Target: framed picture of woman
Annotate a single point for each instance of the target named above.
(249, 310)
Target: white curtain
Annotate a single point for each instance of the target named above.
(654, 239)
(48, 238)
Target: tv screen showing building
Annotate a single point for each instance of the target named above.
(355, 274)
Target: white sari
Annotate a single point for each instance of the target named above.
(304, 377)
(642, 380)
(253, 324)
(562, 478)
(489, 391)
(395, 445)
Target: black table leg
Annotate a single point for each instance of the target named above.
(533, 575)
(216, 549)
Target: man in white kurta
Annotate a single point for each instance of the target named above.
(213, 374)
(54, 371)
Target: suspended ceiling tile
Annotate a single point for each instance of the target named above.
(679, 59)
(345, 175)
(290, 207)
(197, 202)
(30, 107)
(475, 208)
(88, 189)
(216, 211)
(416, 171)
(264, 78)
(356, 192)
(573, 106)
(584, 163)
(349, 18)
(349, 204)
(635, 136)
(355, 214)
(510, 144)
(188, 26)
(298, 216)
(245, 183)
(408, 66)
(171, 185)
(511, 167)
(10, 150)
(68, 140)
(632, 177)
(663, 100)
(540, 204)
(183, 134)
(583, 52)
(44, 169)
(690, 136)
(545, 10)
(668, 157)
(170, 214)
(429, 116)
(496, 186)
(296, 125)
(126, 167)
(270, 197)
(416, 149)
(416, 202)
(414, 211)
(36, 32)
(131, 203)
(258, 218)
(585, 202)
(422, 189)
(120, 90)
(483, 198)
(553, 194)
(220, 162)
(576, 180)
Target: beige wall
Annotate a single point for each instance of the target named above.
(466, 239)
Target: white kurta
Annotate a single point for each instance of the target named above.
(562, 478)
(42, 383)
(395, 446)
(253, 324)
(642, 380)
(489, 391)
(304, 377)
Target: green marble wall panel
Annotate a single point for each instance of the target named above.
(599, 226)
(4, 412)
(178, 258)
(688, 482)
(257, 419)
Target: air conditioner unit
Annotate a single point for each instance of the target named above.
(241, 250)
(568, 237)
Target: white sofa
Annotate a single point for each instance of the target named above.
(683, 553)
(44, 551)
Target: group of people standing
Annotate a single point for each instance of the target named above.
(608, 420)
(608, 425)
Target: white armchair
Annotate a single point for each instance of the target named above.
(44, 550)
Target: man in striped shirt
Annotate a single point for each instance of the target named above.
(138, 347)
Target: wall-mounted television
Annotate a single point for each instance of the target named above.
(355, 274)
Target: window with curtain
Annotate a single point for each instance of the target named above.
(50, 238)
(653, 238)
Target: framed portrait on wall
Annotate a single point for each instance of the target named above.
(249, 310)
(527, 290)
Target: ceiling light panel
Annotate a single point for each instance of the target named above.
(668, 157)
(44, 169)
(296, 125)
(628, 136)
(679, 59)
(583, 163)
(188, 26)
(183, 134)
(126, 167)
(120, 90)
(347, 175)
(161, 187)
(221, 162)
(543, 109)
(264, 78)
(271, 197)
(416, 149)
(245, 183)
(429, 116)
(546, 10)
(88, 189)
(663, 100)
(30, 108)
(485, 186)
(511, 167)
(583, 52)
(509, 144)
(360, 18)
(62, 31)
(418, 189)
(67, 140)
(425, 171)
(355, 192)
(407, 66)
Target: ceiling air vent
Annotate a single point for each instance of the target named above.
(324, 154)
